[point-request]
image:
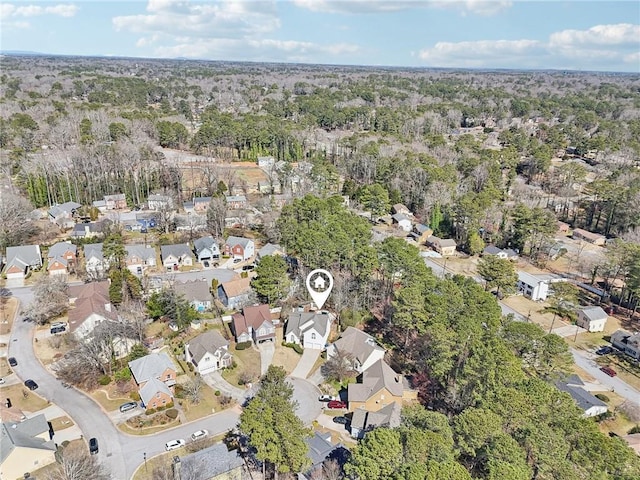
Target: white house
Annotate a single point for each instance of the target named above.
(309, 329)
(403, 221)
(588, 403)
(361, 346)
(94, 261)
(206, 248)
(208, 352)
(592, 319)
(629, 343)
(175, 256)
(532, 287)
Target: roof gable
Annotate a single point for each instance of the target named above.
(208, 342)
(150, 366)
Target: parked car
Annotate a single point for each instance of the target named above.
(173, 444)
(58, 329)
(341, 420)
(237, 260)
(199, 434)
(30, 384)
(609, 371)
(1, 381)
(604, 350)
(327, 398)
(248, 267)
(12, 361)
(337, 404)
(93, 446)
(206, 264)
(125, 407)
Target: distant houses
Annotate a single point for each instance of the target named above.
(590, 237)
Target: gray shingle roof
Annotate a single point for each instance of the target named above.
(387, 416)
(492, 250)
(150, 366)
(231, 241)
(357, 343)
(583, 398)
(197, 290)
(93, 250)
(269, 249)
(149, 390)
(140, 251)
(24, 255)
(375, 378)
(210, 462)
(320, 321)
(320, 447)
(200, 244)
(594, 313)
(60, 248)
(24, 434)
(208, 342)
(178, 250)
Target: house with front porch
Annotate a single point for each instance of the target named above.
(176, 256)
(308, 329)
(253, 324)
(139, 258)
(208, 352)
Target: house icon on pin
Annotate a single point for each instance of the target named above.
(319, 283)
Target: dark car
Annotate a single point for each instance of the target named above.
(248, 267)
(30, 384)
(57, 329)
(336, 404)
(341, 420)
(604, 350)
(125, 407)
(93, 446)
(609, 371)
(12, 361)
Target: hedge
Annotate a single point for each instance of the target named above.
(243, 345)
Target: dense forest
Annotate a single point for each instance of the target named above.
(481, 157)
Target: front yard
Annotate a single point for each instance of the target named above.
(247, 364)
(24, 399)
(284, 357)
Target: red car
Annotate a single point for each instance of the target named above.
(337, 404)
(609, 371)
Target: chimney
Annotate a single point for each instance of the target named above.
(175, 468)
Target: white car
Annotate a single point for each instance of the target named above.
(1, 381)
(199, 434)
(327, 398)
(173, 444)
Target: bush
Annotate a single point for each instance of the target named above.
(150, 411)
(635, 429)
(243, 345)
(172, 413)
(217, 393)
(104, 380)
(134, 396)
(298, 348)
(602, 396)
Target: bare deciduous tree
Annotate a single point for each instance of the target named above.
(78, 464)
(50, 298)
(193, 388)
(15, 226)
(338, 367)
(216, 214)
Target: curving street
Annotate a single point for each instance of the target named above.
(121, 453)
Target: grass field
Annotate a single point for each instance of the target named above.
(23, 398)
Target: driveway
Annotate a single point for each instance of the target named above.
(267, 350)
(306, 363)
(216, 382)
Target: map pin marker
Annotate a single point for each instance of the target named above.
(319, 285)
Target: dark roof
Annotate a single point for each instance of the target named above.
(210, 462)
(321, 448)
(583, 398)
(492, 250)
(208, 342)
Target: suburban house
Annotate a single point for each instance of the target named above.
(63, 214)
(592, 319)
(175, 256)
(532, 287)
(159, 202)
(444, 246)
(115, 202)
(201, 204)
(377, 387)
(239, 247)
(139, 257)
(235, 293)
(402, 221)
(61, 257)
(494, 251)
(309, 329)
(206, 248)
(94, 262)
(90, 230)
(266, 162)
(90, 306)
(268, 250)
(321, 449)
(155, 375)
(22, 260)
(363, 421)
(236, 202)
(253, 324)
(212, 463)
(627, 342)
(26, 447)
(360, 346)
(588, 403)
(197, 293)
(590, 237)
(421, 232)
(208, 352)
(401, 209)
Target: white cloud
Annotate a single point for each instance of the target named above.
(478, 7)
(598, 46)
(9, 10)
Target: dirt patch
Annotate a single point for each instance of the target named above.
(50, 348)
(60, 423)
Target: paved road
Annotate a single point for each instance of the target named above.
(306, 395)
(586, 361)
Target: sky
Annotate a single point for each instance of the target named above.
(566, 35)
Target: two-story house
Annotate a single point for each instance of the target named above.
(176, 256)
(359, 346)
(115, 202)
(235, 293)
(208, 352)
(201, 204)
(309, 329)
(206, 249)
(155, 375)
(236, 202)
(239, 247)
(63, 214)
(139, 258)
(533, 287)
(95, 264)
(444, 246)
(22, 260)
(253, 324)
(158, 202)
(61, 258)
(378, 386)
